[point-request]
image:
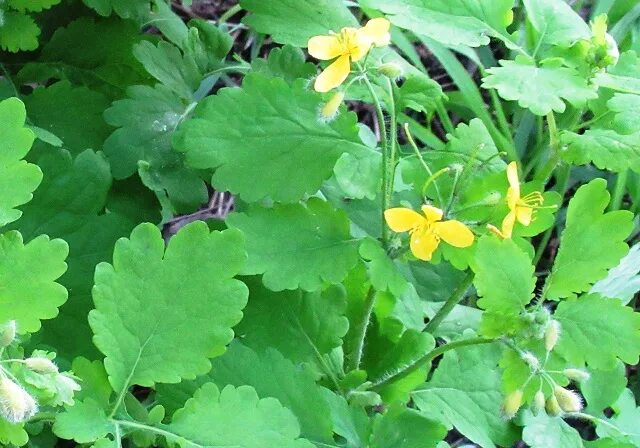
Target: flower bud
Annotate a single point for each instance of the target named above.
(553, 407)
(512, 403)
(538, 402)
(16, 405)
(330, 109)
(551, 335)
(578, 375)
(41, 365)
(7, 333)
(530, 359)
(568, 400)
(391, 70)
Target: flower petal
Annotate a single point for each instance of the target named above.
(324, 47)
(507, 224)
(514, 181)
(524, 215)
(334, 75)
(432, 213)
(403, 219)
(423, 244)
(455, 233)
(376, 31)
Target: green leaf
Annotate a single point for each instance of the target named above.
(301, 326)
(584, 257)
(456, 22)
(605, 148)
(294, 387)
(627, 112)
(207, 44)
(400, 427)
(543, 431)
(28, 274)
(18, 179)
(236, 417)
(603, 388)
(146, 121)
(587, 337)
(556, 23)
(74, 114)
(32, 5)
(505, 282)
(296, 245)
(555, 85)
(622, 282)
(18, 32)
(283, 122)
(127, 9)
(13, 434)
(420, 93)
(286, 62)
(84, 422)
(383, 272)
(350, 422)
(625, 422)
(296, 21)
(188, 313)
(465, 392)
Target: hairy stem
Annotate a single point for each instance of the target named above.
(456, 296)
(362, 325)
(554, 146)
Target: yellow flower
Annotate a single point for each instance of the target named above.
(350, 45)
(427, 231)
(520, 208)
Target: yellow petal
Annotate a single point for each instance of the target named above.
(325, 47)
(507, 224)
(432, 213)
(423, 244)
(403, 219)
(524, 215)
(334, 75)
(454, 233)
(377, 32)
(513, 197)
(514, 181)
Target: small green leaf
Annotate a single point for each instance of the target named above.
(127, 9)
(605, 148)
(555, 85)
(286, 62)
(32, 5)
(297, 246)
(591, 243)
(556, 23)
(296, 21)
(543, 431)
(188, 311)
(603, 388)
(623, 281)
(400, 427)
(84, 422)
(13, 433)
(383, 272)
(18, 32)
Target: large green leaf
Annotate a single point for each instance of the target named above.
(400, 427)
(295, 21)
(598, 330)
(451, 22)
(32, 5)
(28, 274)
(465, 392)
(161, 314)
(236, 417)
(302, 326)
(605, 148)
(591, 243)
(267, 140)
(296, 245)
(18, 179)
(603, 387)
(556, 22)
(543, 431)
(554, 86)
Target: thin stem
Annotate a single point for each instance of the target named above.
(456, 296)
(393, 144)
(415, 148)
(547, 169)
(594, 419)
(406, 370)
(229, 13)
(167, 434)
(361, 328)
(619, 190)
(444, 117)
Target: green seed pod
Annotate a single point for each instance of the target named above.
(512, 403)
(551, 335)
(578, 375)
(7, 333)
(553, 407)
(390, 70)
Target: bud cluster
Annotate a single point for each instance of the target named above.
(16, 405)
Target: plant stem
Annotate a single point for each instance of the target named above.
(456, 296)
(229, 13)
(167, 434)
(393, 145)
(362, 325)
(406, 370)
(413, 145)
(547, 169)
(619, 190)
(444, 117)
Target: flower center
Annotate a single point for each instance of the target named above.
(532, 200)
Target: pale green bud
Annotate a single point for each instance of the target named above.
(578, 375)
(530, 359)
(551, 335)
(553, 407)
(41, 365)
(512, 403)
(330, 109)
(16, 405)
(7, 333)
(568, 400)
(538, 402)
(391, 70)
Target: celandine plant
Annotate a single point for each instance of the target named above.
(319, 223)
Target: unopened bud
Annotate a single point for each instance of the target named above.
(391, 70)
(612, 49)
(7, 333)
(578, 375)
(41, 365)
(16, 405)
(512, 403)
(568, 400)
(551, 335)
(553, 407)
(530, 359)
(330, 109)
(538, 402)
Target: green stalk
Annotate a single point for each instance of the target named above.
(362, 325)
(409, 368)
(547, 169)
(393, 146)
(456, 296)
(619, 190)
(235, 9)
